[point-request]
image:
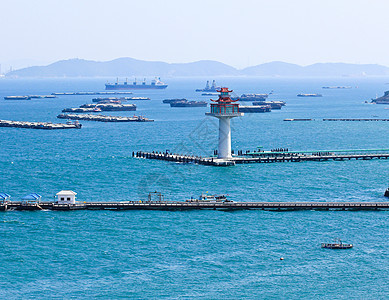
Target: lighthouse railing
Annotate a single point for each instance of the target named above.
(224, 109)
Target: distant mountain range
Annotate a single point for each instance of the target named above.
(129, 67)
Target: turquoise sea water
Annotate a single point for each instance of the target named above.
(199, 254)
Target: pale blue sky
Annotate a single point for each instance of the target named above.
(239, 33)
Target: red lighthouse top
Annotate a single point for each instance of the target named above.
(224, 106)
(224, 96)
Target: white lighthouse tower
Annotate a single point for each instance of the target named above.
(224, 109)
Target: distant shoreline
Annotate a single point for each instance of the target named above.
(132, 68)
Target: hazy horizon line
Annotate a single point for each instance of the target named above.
(173, 63)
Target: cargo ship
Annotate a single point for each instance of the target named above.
(119, 99)
(208, 88)
(167, 101)
(251, 97)
(255, 109)
(273, 104)
(155, 84)
(382, 100)
(186, 103)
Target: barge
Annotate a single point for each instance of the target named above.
(273, 104)
(186, 103)
(255, 109)
(167, 101)
(110, 107)
(119, 99)
(251, 97)
(29, 97)
(336, 87)
(40, 125)
(309, 95)
(82, 109)
(103, 118)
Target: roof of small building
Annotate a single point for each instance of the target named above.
(32, 196)
(4, 196)
(66, 192)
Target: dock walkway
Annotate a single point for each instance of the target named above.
(271, 158)
(181, 205)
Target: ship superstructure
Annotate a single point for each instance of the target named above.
(208, 88)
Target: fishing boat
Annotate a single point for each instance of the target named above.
(338, 244)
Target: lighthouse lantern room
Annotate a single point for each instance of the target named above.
(224, 109)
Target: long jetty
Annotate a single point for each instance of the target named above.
(181, 205)
(39, 125)
(103, 118)
(268, 157)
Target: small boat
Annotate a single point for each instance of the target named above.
(386, 194)
(210, 199)
(337, 245)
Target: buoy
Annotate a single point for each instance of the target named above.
(281, 258)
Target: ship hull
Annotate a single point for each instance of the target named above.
(134, 87)
(188, 105)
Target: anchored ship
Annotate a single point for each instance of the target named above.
(186, 103)
(207, 88)
(309, 95)
(251, 97)
(155, 84)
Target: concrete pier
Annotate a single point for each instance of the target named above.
(266, 157)
(181, 205)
